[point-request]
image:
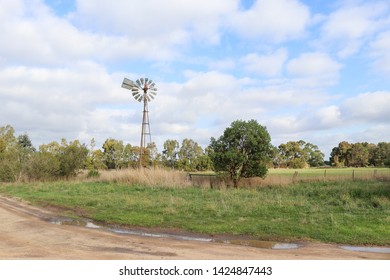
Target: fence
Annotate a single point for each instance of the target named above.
(288, 176)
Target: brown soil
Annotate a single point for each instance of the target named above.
(26, 233)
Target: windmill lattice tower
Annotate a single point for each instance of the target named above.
(142, 90)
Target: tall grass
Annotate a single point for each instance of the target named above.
(159, 177)
(151, 177)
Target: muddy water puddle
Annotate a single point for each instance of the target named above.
(262, 244)
(383, 250)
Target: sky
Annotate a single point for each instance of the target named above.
(310, 70)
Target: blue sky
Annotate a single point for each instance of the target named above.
(310, 69)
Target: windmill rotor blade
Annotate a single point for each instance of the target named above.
(143, 89)
(128, 84)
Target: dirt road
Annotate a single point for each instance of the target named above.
(26, 233)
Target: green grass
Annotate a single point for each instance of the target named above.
(350, 212)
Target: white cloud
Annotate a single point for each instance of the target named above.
(222, 65)
(368, 107)
(267, 65)
(351, 25)
(57, 102)
(373, 134)
(328, 117)
(36, 36)
(380, 51)
(273, 20)
(171, 23)
(314, 69)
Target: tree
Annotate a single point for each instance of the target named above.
(359, 155)
(314, 157)
(204, 162)
(292, 155)
(43, 165)
(25, 151)
(113, 153)
(243, 150)
(72, 157)
(380, 154)
(95, 159)
(10, 166)
(170, 152)
(57, 160)
(299, 154)
(189, 153)
(341, 155)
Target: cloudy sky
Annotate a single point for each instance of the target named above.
(306, 69)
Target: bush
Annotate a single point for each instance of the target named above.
(93, 173)
(43, 166)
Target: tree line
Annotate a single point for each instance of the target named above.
(243, 150)
(361, 154)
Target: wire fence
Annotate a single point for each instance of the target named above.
(288, 177)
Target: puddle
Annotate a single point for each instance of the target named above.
(262, 244)
(383, 250)
(91, 225)
(68, 222)
(160, 235)
(242, 242)
(286, 246)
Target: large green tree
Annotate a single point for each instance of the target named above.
(243, 150)
(341, 155)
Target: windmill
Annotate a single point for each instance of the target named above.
(143, 90)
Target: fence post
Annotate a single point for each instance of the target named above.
(324, 174)
(353, 175)
(375, 173)
(295, 176)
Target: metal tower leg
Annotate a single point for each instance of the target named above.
(145, 131)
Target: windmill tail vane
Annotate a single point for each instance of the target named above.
(142, 90)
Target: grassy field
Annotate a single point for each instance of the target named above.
(349, 212)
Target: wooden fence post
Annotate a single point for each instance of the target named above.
(295, 176)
